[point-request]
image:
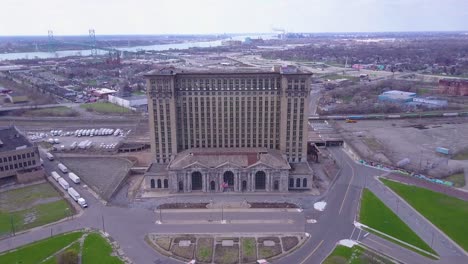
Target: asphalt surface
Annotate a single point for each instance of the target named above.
(129, 225)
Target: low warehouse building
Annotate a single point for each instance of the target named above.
(139, 102)
(19, 158)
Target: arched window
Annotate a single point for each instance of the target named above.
(159, 184)
(152, 183)
(166, 183)
(260, 180)
(197, 181)
(291, 183)
(304, 182)
(298, 183)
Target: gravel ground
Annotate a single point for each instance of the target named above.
(389, 141)
(102, 174)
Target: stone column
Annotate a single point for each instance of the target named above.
(189, 182)
(268, 182)
(252, 182)
(236, 182)
(204, 182)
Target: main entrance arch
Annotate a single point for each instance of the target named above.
(228, 178)
(197, 181)
(260, 180)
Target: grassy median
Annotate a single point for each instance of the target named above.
(96, 250)
(105, 108)
(374, 213)
(448, 213)
(354, 255)
(39, 251)
(31, 206)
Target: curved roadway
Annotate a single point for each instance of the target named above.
(128, 226)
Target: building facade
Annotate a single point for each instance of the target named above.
(455, 87)
(242, 112)
(18, 157)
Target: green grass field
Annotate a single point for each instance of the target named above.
(354, 255)
(36, 252)
(105, 108)
(30, 207)
(448, 213)
(457, 179)
(53, 111)
(462, 155)
(96, 250)
(374, 213)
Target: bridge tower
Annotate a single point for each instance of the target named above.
(50, 41)
(92, 38)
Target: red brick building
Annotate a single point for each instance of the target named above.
(453, 87)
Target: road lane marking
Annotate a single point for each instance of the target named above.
(347, 189)
(311, 253)
(370, 239)
(234, 222)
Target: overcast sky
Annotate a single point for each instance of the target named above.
(67, 17)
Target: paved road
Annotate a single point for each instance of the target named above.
(128, 226)
(10, 108)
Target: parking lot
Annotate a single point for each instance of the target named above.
(390, 141)
(80, 139)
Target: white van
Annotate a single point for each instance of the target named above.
(55, 175)
(50, 156)
(74, 178)
(63, 183)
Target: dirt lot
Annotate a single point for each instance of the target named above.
(390, 141)
(102, 174)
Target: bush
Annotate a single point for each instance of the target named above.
(68, 257)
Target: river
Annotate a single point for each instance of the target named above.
(159, 47)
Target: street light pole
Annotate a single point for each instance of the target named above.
(12, 225)
(222, 212)
(103, 227)
(160, 215)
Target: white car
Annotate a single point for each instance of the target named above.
(262, 261)
(192, 262)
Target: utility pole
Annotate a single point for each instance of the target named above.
(420, 160)
(12, 225)
(160, 214)
(222, 212)
(103, 227)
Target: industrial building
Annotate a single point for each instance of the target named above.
(135, 103)
(396, 96)
(19, 158)
(453, 87)
(236, 131)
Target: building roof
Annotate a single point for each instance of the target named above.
(11, 139)
(399, 93)
(240, 71)
(103, 91)
(132, 97)
(238, 157)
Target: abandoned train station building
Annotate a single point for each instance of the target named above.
(228, 131)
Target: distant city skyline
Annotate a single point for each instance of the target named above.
(107, 17)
